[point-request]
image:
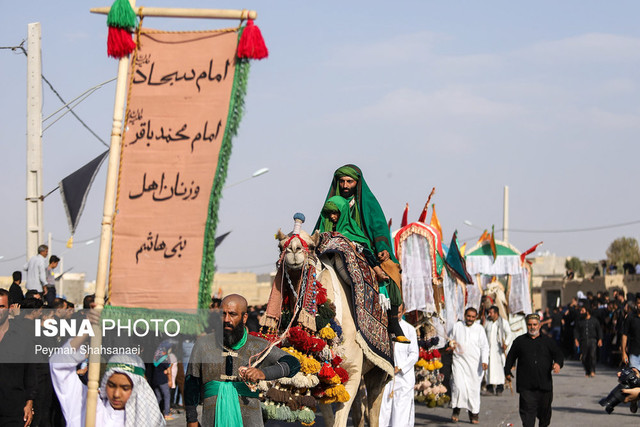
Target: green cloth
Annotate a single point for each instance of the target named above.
(346, 225)
(227, 403)
(242, 341)
(366, 211)
(126, 367)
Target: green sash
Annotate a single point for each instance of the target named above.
(227, 405)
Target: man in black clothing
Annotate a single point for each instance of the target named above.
(537, 356)
(15, 292)
(588, 336)
(17, 380)
(630, 343)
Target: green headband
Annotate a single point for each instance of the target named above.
(129, 368)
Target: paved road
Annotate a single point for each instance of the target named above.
(575, 403)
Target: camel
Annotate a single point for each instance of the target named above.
(495, 291)
(330, 273)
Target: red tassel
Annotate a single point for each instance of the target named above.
(119, 42)
(336, 361)
(343, 374)
(326, 373)
(321, 297)
(251, 43)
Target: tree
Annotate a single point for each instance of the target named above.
(623, 250)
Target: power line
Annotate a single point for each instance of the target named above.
(575, 230)
(13, 258)
(21, 48)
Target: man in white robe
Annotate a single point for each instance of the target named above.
(397, 407)
(470, 358)
(500, 337)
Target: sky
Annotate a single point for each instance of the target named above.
(467, 97)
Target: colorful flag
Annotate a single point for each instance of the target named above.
(405, 216)
(423, 215)
(455, 260)
(435, 223)
(524, 254)
(485, 236)
(492, 242)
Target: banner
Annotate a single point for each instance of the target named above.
(74, 190)
(184, 104)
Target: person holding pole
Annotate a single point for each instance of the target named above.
(125, 397)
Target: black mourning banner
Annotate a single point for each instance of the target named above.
(75, 187)
(220, 238)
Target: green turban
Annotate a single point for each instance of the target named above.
(349, 171)
(345, 225)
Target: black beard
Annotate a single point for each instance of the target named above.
(232, 337)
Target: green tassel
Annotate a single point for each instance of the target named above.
(271, 410)
(306, 415)
(121, 15)
(289, 416)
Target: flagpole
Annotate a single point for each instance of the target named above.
(505, 216)
(105, 234)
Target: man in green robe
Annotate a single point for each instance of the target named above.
(368, 219)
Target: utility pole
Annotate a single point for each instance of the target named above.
(505, 217)
(35, 233)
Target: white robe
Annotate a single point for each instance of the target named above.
(72, 394)
(399, 410)
(498, 333)
(471, 351)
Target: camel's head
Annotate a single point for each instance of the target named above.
(296, 246)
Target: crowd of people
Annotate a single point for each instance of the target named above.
(596, 328)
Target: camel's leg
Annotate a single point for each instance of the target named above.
(359, 407)
(375, 380)
(353, 354)
(327, 414)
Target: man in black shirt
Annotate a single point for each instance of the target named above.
(630, 344)
(588, 336)
(18, 380)
(537, 356)
(15, 292)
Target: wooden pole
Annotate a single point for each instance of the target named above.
(105, 234)
(187, 13)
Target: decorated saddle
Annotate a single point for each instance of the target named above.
(369, 317)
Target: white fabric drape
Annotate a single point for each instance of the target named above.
(505, 264)
(417, 277)
(451, 303)
(519, 295)
(461, 295)
(474, 295)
